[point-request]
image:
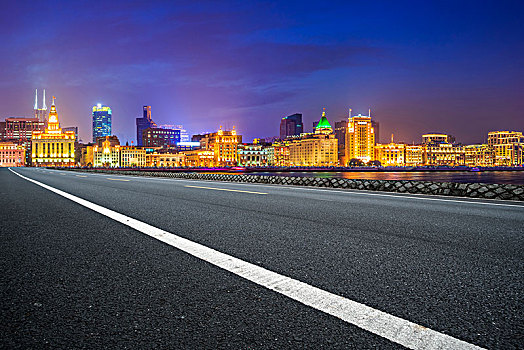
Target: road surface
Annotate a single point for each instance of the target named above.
(73, 277)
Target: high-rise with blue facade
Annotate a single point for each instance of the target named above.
(101, 121)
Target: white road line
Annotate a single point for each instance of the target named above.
(81, 175)
(223, 189)
(117, 179)
(395, 329)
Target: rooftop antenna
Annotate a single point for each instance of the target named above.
(43, 102)
(369, 112)
(36, 98)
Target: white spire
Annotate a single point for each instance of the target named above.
(369, 112)
(43, 103)
(36, 98)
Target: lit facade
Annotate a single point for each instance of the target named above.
(21, 129)
(414, 155)
(508, 147)
(131, 157)
(11, 154)
(392, 154)
(278, 154)
(435, 138)
(444, 154)
(52, 147)
(160, 137)
(252, 155)
(317, 149)
(107, 155)
(479, 155)
(360, 139)
(102, 119)
(200, 158)
(224, 145)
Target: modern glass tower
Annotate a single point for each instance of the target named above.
(101, 121)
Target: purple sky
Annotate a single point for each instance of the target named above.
(421, 66)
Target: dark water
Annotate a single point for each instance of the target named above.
(502, 177)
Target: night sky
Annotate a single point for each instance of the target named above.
(454, 67)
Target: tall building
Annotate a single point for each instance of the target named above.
(21, 129)
(291, 126)
(160, 137)
(102, 116)
(52, 147)
(360, 138)
(224, 145)
(143, 123)
(40, 113)
(340, 134)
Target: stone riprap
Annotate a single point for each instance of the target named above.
(473, 190)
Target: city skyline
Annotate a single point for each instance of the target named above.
(420, 68)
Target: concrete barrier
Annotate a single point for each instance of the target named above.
(473, 190)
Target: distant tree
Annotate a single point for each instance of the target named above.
(355, 162)
(374, 163)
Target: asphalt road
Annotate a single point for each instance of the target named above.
(73, 278)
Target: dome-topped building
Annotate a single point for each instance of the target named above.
(323, 126)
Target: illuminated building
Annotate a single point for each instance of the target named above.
(40, 113)
(316, 149)
(73, 129)
(187, 145)
(360, 138)
(200, 158)
(170, 160)
(53, 147)
(106, 155)
(434, 139)
(11, 154)
(278, 154)
(414, 155)
(508, 147)
(391, 154)
(479, 155)
(143, 123)
(84, 154)
(252, 155)
(291, 126)
(102, 118)
(184, 136)
(159, 137)
(21, 129)
(131, 157)
(340, 134)
(224, 145)
(444, 154)
(2, 131)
